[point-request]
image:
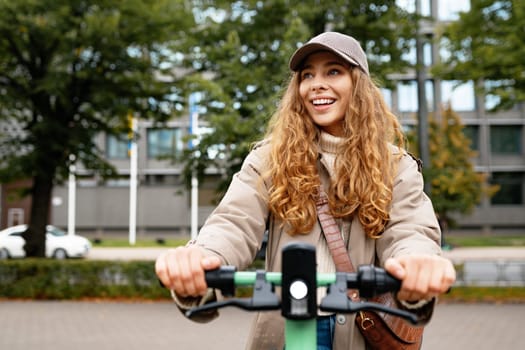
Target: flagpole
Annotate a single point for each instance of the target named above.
(133, 170)
(194, 125)
(71, 202)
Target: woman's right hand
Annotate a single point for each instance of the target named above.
(182, 270)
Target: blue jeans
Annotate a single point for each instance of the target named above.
(325, 332)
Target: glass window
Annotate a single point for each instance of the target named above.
(161, 180)
(410, 6)
(117, 147)
(427, 54)
(387, 95)
(492, 99)
(411, 55)
(505, 139)
(444, 50)
(460, 96)
(164, 142)
(407, 96)
(448, 10)
(472, 132)
(511, 188)
(122, 181)
(407, 5)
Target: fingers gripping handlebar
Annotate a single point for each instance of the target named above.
(299, 282)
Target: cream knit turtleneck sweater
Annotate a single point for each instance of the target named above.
(328, 145)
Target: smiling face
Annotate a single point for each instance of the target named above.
(325, 84)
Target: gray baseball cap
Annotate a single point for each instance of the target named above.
(342, 45)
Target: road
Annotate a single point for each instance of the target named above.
(457, 255)
(61, 325)
(503, 266)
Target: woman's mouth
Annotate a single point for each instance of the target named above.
(322, 101)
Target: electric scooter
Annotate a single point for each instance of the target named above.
(298, 302)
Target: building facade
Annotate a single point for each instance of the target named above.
(102, 207)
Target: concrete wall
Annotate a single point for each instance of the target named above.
(100, 211)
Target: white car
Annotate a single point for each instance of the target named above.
(59, 244)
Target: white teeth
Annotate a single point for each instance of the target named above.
(322, 101)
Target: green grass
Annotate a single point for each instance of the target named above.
(140, 243)
(473, 294)
(485, 241)
(453, 240)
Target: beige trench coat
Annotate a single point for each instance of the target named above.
(235, 229)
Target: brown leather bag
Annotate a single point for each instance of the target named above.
(381, 331)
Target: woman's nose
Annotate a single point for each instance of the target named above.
(318, 84)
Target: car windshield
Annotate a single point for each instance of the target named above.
(55, 231)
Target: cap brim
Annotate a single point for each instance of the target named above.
(304, 51)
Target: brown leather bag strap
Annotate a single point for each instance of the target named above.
(394, 333)
(334, 239)
(333, 235)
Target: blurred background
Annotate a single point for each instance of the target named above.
(122, 122)
(128, 119)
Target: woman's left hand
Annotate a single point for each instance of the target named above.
(423, 276)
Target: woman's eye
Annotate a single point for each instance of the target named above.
(333, 72)
(306, 75)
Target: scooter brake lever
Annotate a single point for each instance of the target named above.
(263, 298)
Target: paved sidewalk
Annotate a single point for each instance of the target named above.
(55, 325)
(501, 266)
(458, 255)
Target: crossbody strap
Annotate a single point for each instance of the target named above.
(334, 239)
(342, 261)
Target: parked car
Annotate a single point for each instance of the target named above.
(59, 244)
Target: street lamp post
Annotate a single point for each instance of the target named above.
(194, 126)
(422, 111)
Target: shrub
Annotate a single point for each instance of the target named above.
(78, 279)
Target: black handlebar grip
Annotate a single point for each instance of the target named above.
(223, 279)
(374, 281)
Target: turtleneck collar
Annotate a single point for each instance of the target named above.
(329, 143)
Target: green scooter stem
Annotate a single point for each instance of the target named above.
(301, 334)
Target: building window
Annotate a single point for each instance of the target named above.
(117, 147)
(460, 96)
(15, 216)
(411, 55)
(162, 180)
(407, 96)
(492, 90)
(505, 139)
(164, 142)
(511, 188)
(472, 132)
(448, 10)
(387, 95)
(410, 6)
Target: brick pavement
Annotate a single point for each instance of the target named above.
(55, 325)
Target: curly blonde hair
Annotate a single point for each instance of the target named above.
(364, 166)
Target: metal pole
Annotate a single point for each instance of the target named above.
(72, 195)
(422, 112)
(194, 125)
(133, 170)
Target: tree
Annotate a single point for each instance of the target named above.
(456, 188)
(70, 69)
(487, 46)
(245, 45)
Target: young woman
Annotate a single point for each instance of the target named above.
(332, 129)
